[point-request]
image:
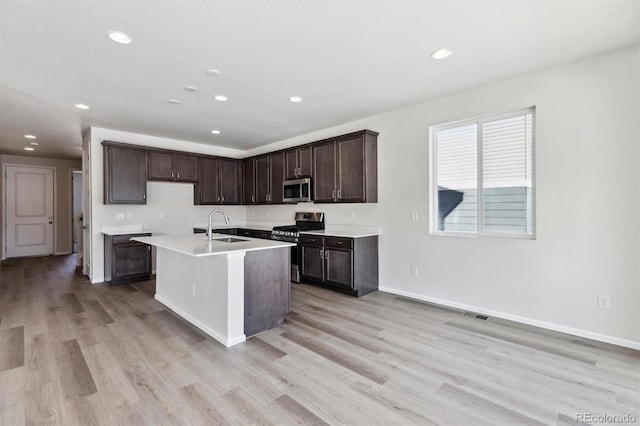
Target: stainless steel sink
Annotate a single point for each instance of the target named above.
(229, 240)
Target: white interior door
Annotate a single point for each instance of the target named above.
(29, 208)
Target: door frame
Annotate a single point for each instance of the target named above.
(4, 204)
(71, 216)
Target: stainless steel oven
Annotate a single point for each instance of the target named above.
(305, 221)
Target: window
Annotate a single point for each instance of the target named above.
(482, 176)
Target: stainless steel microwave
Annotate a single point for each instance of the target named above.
(296, 190)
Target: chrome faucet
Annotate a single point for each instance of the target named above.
(226, 221)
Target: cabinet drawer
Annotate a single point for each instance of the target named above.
(265, 235)
(124, 239)
(312, 239)
(338, 242)
(246, 233)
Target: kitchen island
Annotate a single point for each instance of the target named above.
(228, 287)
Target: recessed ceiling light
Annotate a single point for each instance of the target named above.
(81, 106)
(34, 144)
(29, 148)
(119, 37)
(29, 136)
(213, 73)
(295, 99)
(173, 101)
(216, 132)
(221, 98)
(191, 89)
(442, 53)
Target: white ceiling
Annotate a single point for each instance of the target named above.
(347, 59)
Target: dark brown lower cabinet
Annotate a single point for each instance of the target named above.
(126, 261)
(348, 265)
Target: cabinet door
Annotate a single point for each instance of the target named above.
(161, 165)
(230, 184)
(324, 172)
(248, 182)
(125, 175)
(276, 166)
(209, 182)
(186, 169)
(291, 163)
(351, 178)
(305, 163)
(262, 179)
(131, 260)
(339, 267)
(312, 263)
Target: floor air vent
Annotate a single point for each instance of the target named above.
(475, 315)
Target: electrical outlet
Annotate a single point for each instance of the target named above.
(414, 216)
(414, 271)
(194, 290)
(119, 216)
(352, 215)
(604, 302)
(129, 215)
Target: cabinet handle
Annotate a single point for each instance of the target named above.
(339, 193)
(253, 198)
(321, 253)
(171, 174)
(178, 175)
(223, 198)
(149, 247)
(326, 254)
(333, 194)
(144, 195)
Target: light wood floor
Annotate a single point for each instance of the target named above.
(75, 353)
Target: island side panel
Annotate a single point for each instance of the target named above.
(197, 289)
(266, 289)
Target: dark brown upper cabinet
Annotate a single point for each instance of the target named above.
(172, 166)
(269, 175)
(248, 181)
(125, 174)
(220, 181)
(345, 169)
(298, 162)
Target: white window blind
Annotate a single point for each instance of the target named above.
(483, 175)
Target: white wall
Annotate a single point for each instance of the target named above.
(588, 187)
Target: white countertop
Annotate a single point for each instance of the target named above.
(197, 245)
(123, 230)
(343, 233)
(356, 231)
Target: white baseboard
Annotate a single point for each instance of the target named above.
(517, 318)
(211, 332)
